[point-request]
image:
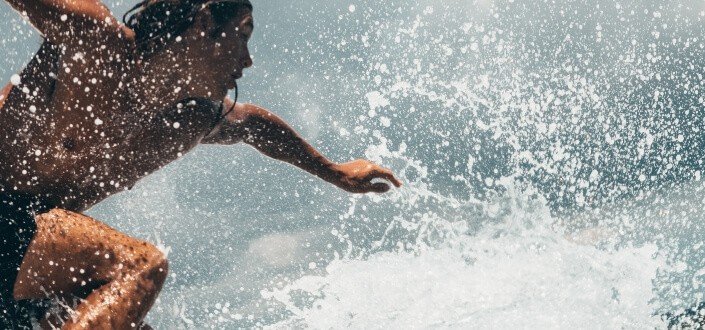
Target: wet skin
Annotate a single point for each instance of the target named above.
(77, 129)
(91, 116)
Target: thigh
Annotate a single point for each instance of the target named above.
(72, 254)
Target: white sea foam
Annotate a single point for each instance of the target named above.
(520, 272)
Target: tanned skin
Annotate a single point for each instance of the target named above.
(88, 120)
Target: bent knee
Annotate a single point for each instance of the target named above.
(53, 215)
(157, 260)
(161, 270)
(157, 267)
(68, 221)
(153, 260)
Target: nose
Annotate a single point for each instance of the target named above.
(247, 61)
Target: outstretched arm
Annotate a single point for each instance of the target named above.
(273, 137)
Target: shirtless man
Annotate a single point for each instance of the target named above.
(102, 105)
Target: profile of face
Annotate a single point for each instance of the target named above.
(231, 54)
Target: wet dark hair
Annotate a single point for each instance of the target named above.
(157, 22)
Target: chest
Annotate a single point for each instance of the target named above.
(72, 126)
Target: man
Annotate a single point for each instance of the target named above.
(102, 105)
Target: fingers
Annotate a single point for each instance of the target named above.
(361, 173)
(380, 187)
(377, 187)
(385, 174)
(393, 180)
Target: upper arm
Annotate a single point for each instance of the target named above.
(232, 129)
(60, 21)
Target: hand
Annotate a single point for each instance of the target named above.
(357, 176)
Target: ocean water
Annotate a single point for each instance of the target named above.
(519, 269)
(551, 151)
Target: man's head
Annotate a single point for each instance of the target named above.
(218, 29)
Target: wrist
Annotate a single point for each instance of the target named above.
(332, 173)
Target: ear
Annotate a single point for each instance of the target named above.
(245, 23)
(244, 26)
(204, 20)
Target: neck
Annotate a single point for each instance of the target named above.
(176, 73)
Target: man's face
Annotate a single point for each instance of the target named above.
(233, 56)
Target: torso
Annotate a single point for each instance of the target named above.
(72, 134)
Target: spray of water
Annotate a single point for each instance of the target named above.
(552, 154)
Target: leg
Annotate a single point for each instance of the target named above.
(72, 254)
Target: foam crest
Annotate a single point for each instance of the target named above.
(517, 269)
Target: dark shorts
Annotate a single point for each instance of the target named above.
(17, 228)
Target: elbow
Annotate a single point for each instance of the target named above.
(248, 117)
(238, 126)
(247, 113)
(252, 124)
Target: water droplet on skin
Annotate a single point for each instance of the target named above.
(15, 80)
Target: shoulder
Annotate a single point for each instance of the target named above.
(200, 104)
(200, 107)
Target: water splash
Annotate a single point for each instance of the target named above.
(597, 105)
(517, 269)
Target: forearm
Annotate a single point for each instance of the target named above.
(92, 9)
(273, 137)
(53, 18)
